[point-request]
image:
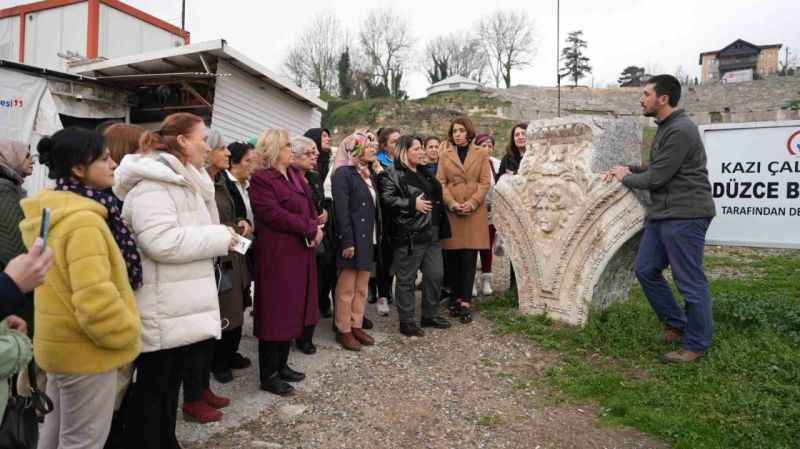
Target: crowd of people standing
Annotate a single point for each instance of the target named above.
(140, 288)
(143, 268)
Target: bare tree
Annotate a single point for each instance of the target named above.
(681, 75)
(787, 62)
(509, 41)
(458, 53)
(313, 57)
(386, 41)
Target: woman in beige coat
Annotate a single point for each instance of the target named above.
(465, 175)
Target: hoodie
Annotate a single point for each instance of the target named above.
(170, 209)
(86, 317)
(324, 161)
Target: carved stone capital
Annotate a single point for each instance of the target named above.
(571, 237)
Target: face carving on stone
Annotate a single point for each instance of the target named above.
(550, 208)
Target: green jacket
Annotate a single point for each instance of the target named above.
(15, 354)
(676, 176)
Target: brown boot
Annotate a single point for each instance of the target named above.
(363, 337)
(672, 335)
(681, 356)
(348, 341)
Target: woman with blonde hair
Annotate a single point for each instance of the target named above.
(289, 230)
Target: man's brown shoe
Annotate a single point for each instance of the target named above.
(680, 356)
(363, 337)
(348, 341)
(672, 335)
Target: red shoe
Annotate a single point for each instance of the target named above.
(201, 412)
(214, 400)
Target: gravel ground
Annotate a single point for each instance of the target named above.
(457, 388)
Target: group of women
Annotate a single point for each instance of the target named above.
(149, 277)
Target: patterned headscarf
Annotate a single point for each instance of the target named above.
(352, 148)
(122, 234)
(12, 159)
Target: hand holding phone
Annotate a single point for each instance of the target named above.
(44, 227)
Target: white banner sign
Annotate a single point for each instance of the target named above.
(754, 170)
(19, 103)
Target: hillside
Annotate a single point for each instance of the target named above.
(497, 110)
(423, 117)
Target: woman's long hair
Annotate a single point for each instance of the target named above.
(166, 137)
(511, 147)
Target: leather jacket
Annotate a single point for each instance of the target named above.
(398, 195)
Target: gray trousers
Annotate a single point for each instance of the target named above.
(83, 405)
(422, 257)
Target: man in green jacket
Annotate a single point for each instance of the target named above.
(677, 218)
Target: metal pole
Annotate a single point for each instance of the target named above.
(558, 53)
(183, 15)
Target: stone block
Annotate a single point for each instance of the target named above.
(571, 238)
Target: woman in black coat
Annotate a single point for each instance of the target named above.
(413, 200)
(357, 215)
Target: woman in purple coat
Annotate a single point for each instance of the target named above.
(286, 274)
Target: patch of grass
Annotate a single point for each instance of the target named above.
(744, 394)
(356, 113)
(490, 421)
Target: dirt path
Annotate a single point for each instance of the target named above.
(458, 388)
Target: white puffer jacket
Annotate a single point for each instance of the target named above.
(170, 208)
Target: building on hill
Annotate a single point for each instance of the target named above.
(740, 61)
(452, 84)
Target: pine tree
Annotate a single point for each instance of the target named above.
(575, 64)
(632, 76)
(345, 75)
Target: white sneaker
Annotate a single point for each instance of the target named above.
(474, 291)
(383, 307)
(486, 288)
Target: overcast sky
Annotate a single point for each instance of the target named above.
(658, 34)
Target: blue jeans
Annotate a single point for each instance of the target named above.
(678, 244)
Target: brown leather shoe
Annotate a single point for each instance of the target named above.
(681, 356)
(348, 341)
(672, 335)
(363, 337)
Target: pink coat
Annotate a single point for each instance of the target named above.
(286, 271)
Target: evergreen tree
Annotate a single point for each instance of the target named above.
(632, 76)
(575, 64)
(345, 75)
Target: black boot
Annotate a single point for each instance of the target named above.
(276, 385)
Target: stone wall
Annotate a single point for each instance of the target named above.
(753, 101)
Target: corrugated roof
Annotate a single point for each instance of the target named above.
(188, 61)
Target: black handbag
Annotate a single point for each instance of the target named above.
(20, 426)
(222, 274)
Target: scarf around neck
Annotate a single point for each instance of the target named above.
(122, 234)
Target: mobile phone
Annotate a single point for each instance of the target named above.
(44, 230)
